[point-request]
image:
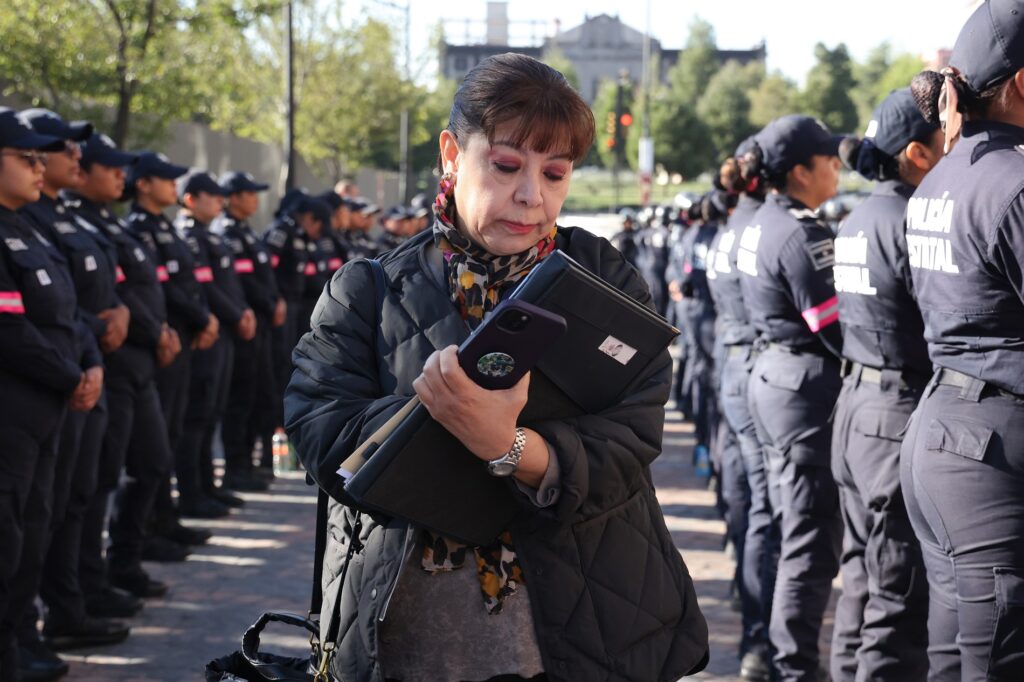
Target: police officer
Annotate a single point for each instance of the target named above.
(330, 246)
(313, 217)
(962, 460)
(394, 228)
(202, 200)
(39, 372)
(356, 239)
(254, 402)
(786, 256)
(625, 239)
(653, 246)
(880, 622)
(136, 436)
(758, 557)
(93, 272)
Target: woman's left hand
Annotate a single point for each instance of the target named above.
(483, 420)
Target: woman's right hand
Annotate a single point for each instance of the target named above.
(483, 420)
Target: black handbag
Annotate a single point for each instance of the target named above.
(252, 665)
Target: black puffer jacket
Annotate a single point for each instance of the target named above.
(610, 595)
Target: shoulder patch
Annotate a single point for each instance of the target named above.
(276, 238)
(64, 227)
(822, 254)
(15, 244)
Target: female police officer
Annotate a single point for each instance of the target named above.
(962, 462)
(786, 257)
(879, 629)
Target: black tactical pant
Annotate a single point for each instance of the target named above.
(172, 383)
(880, 621)
(759, 559)
(221, 361)
(27, 462)
(791, 400)
(137, 437)
(74, 490)
(699, 335)
(254, 404)
(962, 472)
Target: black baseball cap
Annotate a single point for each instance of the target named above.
(17, 134)
(48, 123)
(794, 139)
(237, 181)
(745, 146)
(99, 148)
(990, 47)
(196, 181)
(290, 200)
(154, 165)
(332, 199)
(897, 122)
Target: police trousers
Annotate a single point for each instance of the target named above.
(254, 404)
(27, 462)
(791, 399)
(962, 471)
(880, 621)
(760, 556)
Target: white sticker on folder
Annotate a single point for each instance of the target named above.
(617, 350)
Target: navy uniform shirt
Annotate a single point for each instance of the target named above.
(93, 268)
(733, 321)
(333, 250)
(39, 336)
(289, 256)
(136, 279)
(965, 243)
(881, 324)
(252, 263)
(695, 249)
(357, 244)
(187, 309)
(214, 270)
(786, 256)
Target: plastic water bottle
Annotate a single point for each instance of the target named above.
(702, 461)
(282, 456)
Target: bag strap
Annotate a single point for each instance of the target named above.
(380, 283)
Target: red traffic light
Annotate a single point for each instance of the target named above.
(626, 119)
(610, 142)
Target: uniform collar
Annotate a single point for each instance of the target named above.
(893, 188)
(786, 202)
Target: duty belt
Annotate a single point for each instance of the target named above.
(905, 380)
(742, 349)
(774, 345)
(969, 386)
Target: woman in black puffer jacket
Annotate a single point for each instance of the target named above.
(586, 583)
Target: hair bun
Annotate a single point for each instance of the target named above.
(926, 88)
(849, 151)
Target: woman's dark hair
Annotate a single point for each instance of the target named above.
(865, 158)
(742, 174)
(754, 167)
(926, 87)
(550, 115)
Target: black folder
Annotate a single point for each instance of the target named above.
(413, 469)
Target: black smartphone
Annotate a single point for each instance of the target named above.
(508, 344)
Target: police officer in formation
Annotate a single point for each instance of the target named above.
(880, 620)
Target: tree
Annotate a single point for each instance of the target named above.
(682, 143)
(698, 61)
(725, 106)
(829, 82)
(899, 74)
(604, 118)
(556, 59)
(775, 96)
(867, 76)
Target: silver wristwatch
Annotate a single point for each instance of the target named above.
(507, 464)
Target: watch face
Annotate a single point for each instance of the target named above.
(502, 468)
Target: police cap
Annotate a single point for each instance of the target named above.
(154, 165)
(897, 122)
(237, 181)
(48, 123)
(290, 200)
(17, 134)
(320, 210)
(990, 47)
(196, 181)
(331, 198)
(794, 139)
(102, 150)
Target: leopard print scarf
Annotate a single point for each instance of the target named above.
(478, 280)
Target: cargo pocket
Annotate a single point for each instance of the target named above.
(811, 490)
(959, 436)
(894, 559)
(1006, 659)
(784, 377)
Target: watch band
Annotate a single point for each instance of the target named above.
(507, 464)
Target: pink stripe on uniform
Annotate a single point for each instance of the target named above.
(821, 316)
(203, 274)
(10, 302)
(161, 273)
(243, 266)
(334, 263)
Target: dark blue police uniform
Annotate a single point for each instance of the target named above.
(963, 456)
(757, 551)
(786, 256)
(254, 403)
(880, 621)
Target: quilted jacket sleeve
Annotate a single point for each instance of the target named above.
(333, 403)
(603, 458)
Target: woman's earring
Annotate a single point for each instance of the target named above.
(448, 182)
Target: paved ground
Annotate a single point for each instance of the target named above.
(261, 559)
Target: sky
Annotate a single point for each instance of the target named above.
(790, 27)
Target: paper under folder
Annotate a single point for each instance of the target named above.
(413, 469)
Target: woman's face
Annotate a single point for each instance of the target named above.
(102, 184)
(507, 198)
(818, 181)
(62, 169)
(21, 177)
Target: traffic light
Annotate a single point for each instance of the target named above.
(626, 119)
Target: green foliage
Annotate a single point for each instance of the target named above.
(698, 61)
(827, 93)
(604, 118)
(725, 106)
(775, 96)
(556, 59)
(682, 141)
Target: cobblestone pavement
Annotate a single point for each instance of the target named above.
(260, 559)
